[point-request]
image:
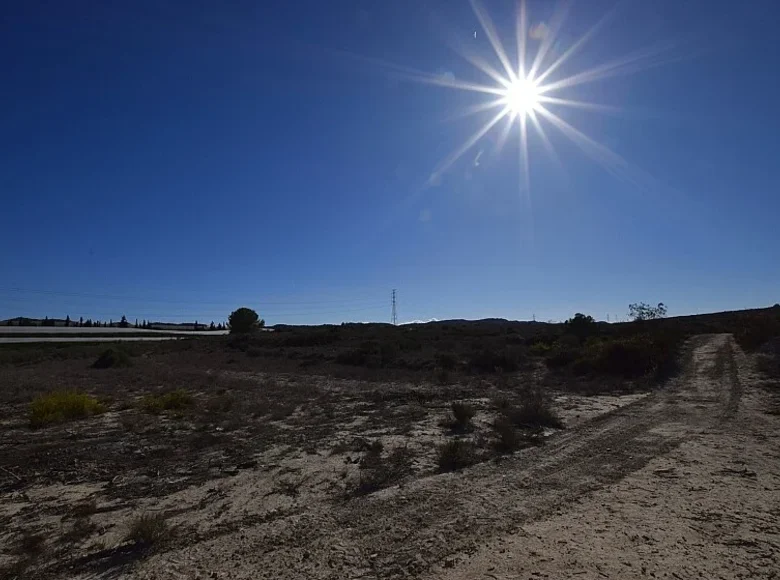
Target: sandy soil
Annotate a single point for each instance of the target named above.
(683, 482)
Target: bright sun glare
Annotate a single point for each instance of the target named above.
(525, 93)
(521, 96)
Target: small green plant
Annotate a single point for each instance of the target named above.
(456, 454)
(147, 530)
(62, 406)
(177, 400)
(112, 358)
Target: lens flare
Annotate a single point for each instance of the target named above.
(521, 92)
(521, 96)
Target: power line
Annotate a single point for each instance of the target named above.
(395, 313)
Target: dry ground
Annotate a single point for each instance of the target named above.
(259, 476)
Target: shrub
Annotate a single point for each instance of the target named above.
(173, 401)
(456, 454)
(377, 472)
(442, 376)
(491, 361)
(446, 361)
(357, 357)
(243, 320)
(635, 356)
(112, 358)
(754, 331)
(559, 357)
(581, 326)
(147, 530)
(641, 311)
(61, 406)
(462, 414)
(535, 411)
(540, 348)
(31, 545)
(507, 437)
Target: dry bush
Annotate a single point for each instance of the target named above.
(62, 406)
(535, 411)
(31, 545)
(177, 400)
(112, 358)
(456, 454)
(378, 472)
(460, 418)
(147, 530)
(507, 437)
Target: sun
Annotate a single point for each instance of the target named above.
(521, 96)
(527, 91)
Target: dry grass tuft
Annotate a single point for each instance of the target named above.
(177, 400)
(62, 406)
(148, 530)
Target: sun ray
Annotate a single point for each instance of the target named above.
(504, 135)
(495, 42)
(475, 109)
(573, 103)
(521, 40)
(624, 65)
(416, 75)
(450, 83)
(552, 34)
(455, 155)
(546, 140)
(608, 159)
(524, 165)
(525, 188)
(576, 46)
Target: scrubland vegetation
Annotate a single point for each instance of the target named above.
(319, 414)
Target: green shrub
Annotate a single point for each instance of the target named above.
(456, 454)
(62, 406)
(244, 320)
(112, 358)
(173, 401)
(540, 348)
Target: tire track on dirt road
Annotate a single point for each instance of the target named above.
(432, 525)
(438, 520)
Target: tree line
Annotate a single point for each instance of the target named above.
(89, 323)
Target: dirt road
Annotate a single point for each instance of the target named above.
(684, 483)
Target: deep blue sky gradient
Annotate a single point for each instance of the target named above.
(174, 160)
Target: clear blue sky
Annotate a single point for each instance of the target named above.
(174, 160)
